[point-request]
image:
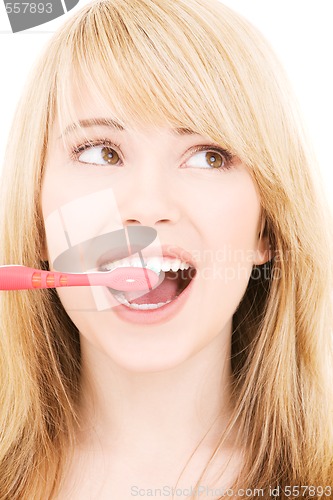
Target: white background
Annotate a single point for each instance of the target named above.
(300, 31)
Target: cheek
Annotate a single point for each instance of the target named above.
(228, 214)
(241, 218)
(65, 181)
(229, 226)
(76, 215)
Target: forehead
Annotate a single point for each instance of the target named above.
(114, 126)
(85, 110)
(89, 112)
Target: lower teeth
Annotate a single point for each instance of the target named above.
(125, 302)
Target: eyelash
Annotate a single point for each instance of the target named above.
(227, 155)
(89, 144)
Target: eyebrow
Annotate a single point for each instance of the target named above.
(108, 122)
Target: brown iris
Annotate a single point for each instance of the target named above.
(110, 155)
(214, 159)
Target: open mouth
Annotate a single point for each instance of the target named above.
(172, 285)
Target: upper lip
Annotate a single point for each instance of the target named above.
(166, 250)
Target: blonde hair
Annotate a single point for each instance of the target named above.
(192, 64)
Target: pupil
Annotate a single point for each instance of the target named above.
(215, 160)
(109, 155)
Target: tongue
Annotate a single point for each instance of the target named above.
(167, 290)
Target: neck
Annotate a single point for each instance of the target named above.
(151, 410)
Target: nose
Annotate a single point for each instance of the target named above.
(149, 196)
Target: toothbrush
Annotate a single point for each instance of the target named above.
(17, 277)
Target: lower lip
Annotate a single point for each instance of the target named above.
(152, 316)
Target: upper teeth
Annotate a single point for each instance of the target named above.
(156, 264)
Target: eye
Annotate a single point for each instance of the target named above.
(210, 158)
(98, 153)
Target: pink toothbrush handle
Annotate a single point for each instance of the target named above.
(25, 278)
(122, 278)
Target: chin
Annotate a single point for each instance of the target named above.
(137, 353)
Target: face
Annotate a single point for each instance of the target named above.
(195, 197)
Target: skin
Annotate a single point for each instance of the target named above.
(158, 388)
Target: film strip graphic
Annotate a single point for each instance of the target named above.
(23, 15)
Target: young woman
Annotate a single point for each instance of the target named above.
(174, 116)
